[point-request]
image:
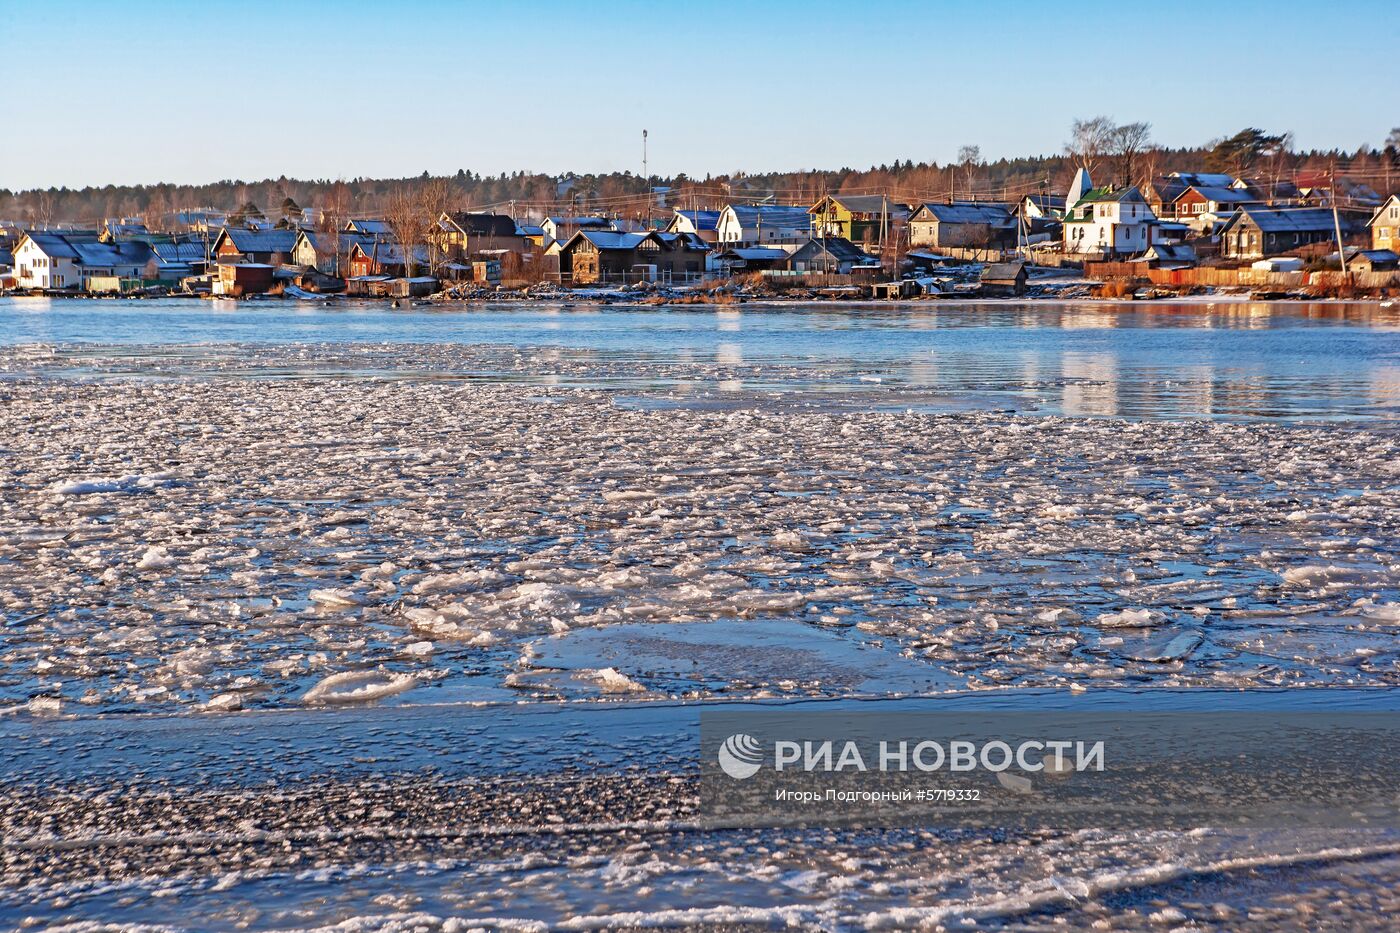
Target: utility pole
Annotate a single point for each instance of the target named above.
(1337, 220)
(646, 176)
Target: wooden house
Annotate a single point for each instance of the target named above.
(962, 223)
(763, 225)
(465, 234)
(704, 224)
(832, 255)
(377, 257)
(1385, 225)
(239, 244)
(858, 218)
(563, 229)
(366, 226)
(594, 256)
(1254, 232)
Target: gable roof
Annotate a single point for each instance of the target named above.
(1204, 179)
(683, 241)
(610, 239)
(964, 212)
(85, 249)
(1046, 202)
(865, 204)
(700, 220)
(258, 241)
(370, 226)
(1003, 272)
(1285, 219)
(1375, 218)
(771, 215)
(1224, 195)
(479, 224)
(838, 247)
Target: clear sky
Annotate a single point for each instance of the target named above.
(127, 91)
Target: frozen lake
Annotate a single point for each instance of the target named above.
(363, 617)
(1196, 359)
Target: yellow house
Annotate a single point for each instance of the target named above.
(1385, 225)
(857, 217)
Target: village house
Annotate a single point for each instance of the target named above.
(704, 224)
(176, 257)
(325, 253)
(745, 259)
(465, 234)
(370, 227)
(1254, 231)
(564, 228)
(593, 256)
(762, 225)
(532, 234)
(1385, 225)
(1163, 190)
(71, 260)
(239, 244)
(962, 224)
(1106, 223)
(1203, 206)
(1041, 207)
(858, 218)
(380, 257)
(830, 255)
(124, 229)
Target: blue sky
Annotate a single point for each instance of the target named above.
(137, 91)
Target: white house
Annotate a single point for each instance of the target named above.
(1109, 222)
(763, 225)
(69, 260)
(46, 260)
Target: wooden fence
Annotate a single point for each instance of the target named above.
(1039, 257)
(1240, 278)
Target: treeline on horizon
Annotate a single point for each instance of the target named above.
(1114, 154)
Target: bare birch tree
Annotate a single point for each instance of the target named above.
(405, 218)
(434, 198)
(1089, 140)
(969, 157)
(1127, 143)
(330, 225)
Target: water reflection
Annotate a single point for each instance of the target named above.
(1132, 359)
(1091, 384)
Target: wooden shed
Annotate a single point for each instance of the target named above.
(1004, 279)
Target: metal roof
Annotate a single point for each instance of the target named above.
(482, 224)
(612, 239)
(997, 215)
(757, 253)
(260, 241)
(703, 220)
(369, 226)
(1217, 193)
(869, 204)
(772, 215)
(1287, 219)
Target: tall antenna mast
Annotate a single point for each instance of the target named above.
(646, 176)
